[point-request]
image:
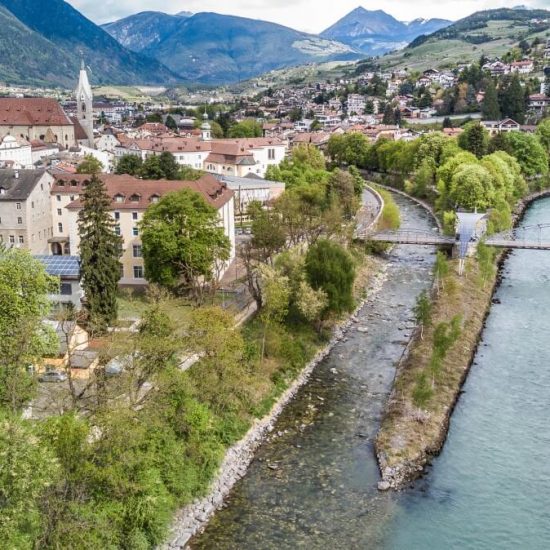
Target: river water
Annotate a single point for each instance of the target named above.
(314, 486)
(490, 488)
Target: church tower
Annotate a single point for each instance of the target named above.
(84, 105)
(206, 129)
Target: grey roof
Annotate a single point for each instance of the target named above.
(249, 182)
(61, 266)
(18, 188)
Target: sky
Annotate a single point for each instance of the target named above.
(306, 15)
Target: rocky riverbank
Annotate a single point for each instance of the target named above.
(192, 519)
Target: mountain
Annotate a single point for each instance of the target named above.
(490, 32)
(376, 32)
(44, 46)
(215, 49)
(146, 29)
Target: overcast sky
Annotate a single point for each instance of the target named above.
(307, 15)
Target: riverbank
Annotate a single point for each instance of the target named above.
(193, 518)
(411, 435)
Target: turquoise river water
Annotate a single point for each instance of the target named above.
(313, 485)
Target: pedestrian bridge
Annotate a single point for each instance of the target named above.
(533, 237)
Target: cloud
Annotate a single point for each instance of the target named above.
(310, 15)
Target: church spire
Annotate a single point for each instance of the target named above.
(84, 104)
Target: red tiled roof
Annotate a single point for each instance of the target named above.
(34, 111)
(79, 132)
(214, 192)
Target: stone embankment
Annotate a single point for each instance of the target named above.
(192, 519)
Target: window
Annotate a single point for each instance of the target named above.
(119, 198)
(117, 215)
(19, 221)
(134, 215)
(137, 251)
(60, 227)
(66, 289)
(58, 197)
(271, 154)
(12, 239)
(72, 198)
(138, 272)
(134, 198)
(121, 267)
(21, 239)
(155, 198)
(18, 206)
(135, 231)
(117, 229)
(59, 212)
(32, 204)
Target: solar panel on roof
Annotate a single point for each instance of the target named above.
(61, 266)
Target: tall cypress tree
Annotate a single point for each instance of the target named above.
(513, 101)
(100, 252)
(490, 108)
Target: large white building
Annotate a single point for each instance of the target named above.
(16, 153)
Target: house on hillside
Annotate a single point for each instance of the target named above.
(498, 126)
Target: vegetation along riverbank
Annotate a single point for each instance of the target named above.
(498, 175)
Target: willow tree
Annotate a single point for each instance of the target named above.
(100, 252)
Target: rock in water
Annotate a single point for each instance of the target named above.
(384, 486)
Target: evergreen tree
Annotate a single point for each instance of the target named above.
(475, 139)
(389, 115)
(512, 103)
(490, 108)
(171, 123)
(100, 251)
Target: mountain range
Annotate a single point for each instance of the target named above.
(214, 49)
(376, 32)
(42, 42)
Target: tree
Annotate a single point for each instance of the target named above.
(310, 303)
(472, 187)
(447, 123)
(330, 268)
(423, 312)
(275, 299)
(543, 134)
(512, 100)
(389, 115)
(169, 166)
(24, 339)
(171, 123)
(27, 469)
(152, 169)
(490, 109)
(528, 151)
(341, 187)
(183, 243)
(90, 165)
(129, 164)
(100, 252)
(245, 129)
(474, 138)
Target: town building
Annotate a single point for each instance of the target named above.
(25, 214)
(15, 153)
(36, 119)
(130, 198)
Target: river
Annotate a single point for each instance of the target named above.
(490, 488)
(313, 486)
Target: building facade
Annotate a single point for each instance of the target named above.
(130, 198)
(25, 215)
